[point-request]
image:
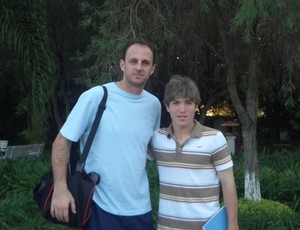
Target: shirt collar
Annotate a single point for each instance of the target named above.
(196, 132)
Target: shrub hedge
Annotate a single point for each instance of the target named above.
(266, 214)
(280, 188)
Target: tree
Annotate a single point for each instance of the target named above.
(175, 28)
(44, 36)
(223, 45)
(257, 23)
(24, 31)
(67, 38)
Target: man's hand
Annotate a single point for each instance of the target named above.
(62, 200)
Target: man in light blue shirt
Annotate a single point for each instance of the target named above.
(119, 151)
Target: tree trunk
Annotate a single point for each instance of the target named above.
(246, 110)
(252, 182)
(248, 119)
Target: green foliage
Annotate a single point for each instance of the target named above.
(24, 30)
(114, 23)
(152, 173)
(279, 173)
(295, 119)
(18, 211)
(266, 214)
(279, 178)
(253, 12)
(273, 23)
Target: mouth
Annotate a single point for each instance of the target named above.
(138, 76)
(181, 117)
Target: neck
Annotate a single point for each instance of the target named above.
(130, 88)
(181, 134)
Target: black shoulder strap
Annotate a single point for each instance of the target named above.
(89, 141)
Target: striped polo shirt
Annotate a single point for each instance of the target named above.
(189, 184)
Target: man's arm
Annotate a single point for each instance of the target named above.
(62, 198)
(230, 197)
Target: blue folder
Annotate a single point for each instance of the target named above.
(218, 221)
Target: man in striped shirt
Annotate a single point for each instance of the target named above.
(193, 164)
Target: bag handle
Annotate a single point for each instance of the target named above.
(102, 106)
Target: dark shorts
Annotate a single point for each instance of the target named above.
(102, 220)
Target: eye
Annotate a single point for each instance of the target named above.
(133, 61)
(175, 102)
(146, 62)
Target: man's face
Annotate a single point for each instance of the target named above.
(182, 112)
(138, 65)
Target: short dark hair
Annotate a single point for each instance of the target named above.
(140, 41)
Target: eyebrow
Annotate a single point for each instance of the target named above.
(143, 61)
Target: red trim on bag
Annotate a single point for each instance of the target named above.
(87, 215)
(48, 197)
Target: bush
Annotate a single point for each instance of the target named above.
(152, 173)
(279, 173)
(266, 214)
(18, 210)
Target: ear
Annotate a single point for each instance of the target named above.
(153, 68)
(167, 108)
(121, 64)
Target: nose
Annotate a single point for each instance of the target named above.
(138, 66)
(182, 107)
